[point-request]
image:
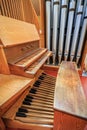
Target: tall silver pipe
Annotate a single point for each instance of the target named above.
(69, 28)
(55, 28)
(84, 9)
(48, 24)
(76, 32)
(82, 36)
(62, 27)
(78, 3)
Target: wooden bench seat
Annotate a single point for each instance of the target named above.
(70, 102)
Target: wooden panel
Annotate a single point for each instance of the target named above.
(2, 126)
(63, 121)
(3, 62)
(14, 53)
(21, 10)
(36, 5)
(42, 23)
(13, 32)
(37, 65)
(30, 65)
(11, 86)
(69, 95)
(27, 61)
(29, 13)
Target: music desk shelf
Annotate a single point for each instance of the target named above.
(70, 102)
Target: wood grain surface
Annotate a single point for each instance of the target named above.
(10, 86)
(14, 32)
(69, 95)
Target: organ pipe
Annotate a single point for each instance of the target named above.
(69, 28)
(55, 28)
(62, 27)
(82, 36)
(76, 33)
(77, 6)
(48, 24)
(84, 9)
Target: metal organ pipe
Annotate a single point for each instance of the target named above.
(82, 36)
(77, 6)
(76, 33)
(84, 9)
(48, 24)
(55, 28)
(69, 28)
(62, 27)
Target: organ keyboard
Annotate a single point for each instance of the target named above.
(34, 108)
(21, 53)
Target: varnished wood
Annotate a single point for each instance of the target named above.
(11, 86)
(69, 95)
(21, 10)
(68, 122)
(19, 67)
(29, 60)
(17, 53)
(42, 23)
(3, 62)
(39, 63)
(36, 5)
(10, 35)
(2, 125)
(40, 112)
(33, 120)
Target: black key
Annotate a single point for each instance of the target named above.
(42, 78)
(38, 81)
(22, 110)
(30, 97)
(36, 85)
(26, 102)
(20, 114)
(43, 74)
(33, 91)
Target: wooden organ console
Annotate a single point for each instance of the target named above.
(29, 98)
(21, 60)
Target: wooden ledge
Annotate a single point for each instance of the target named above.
(11, 86)
(69, 95)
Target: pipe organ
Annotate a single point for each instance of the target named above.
(31, 99)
